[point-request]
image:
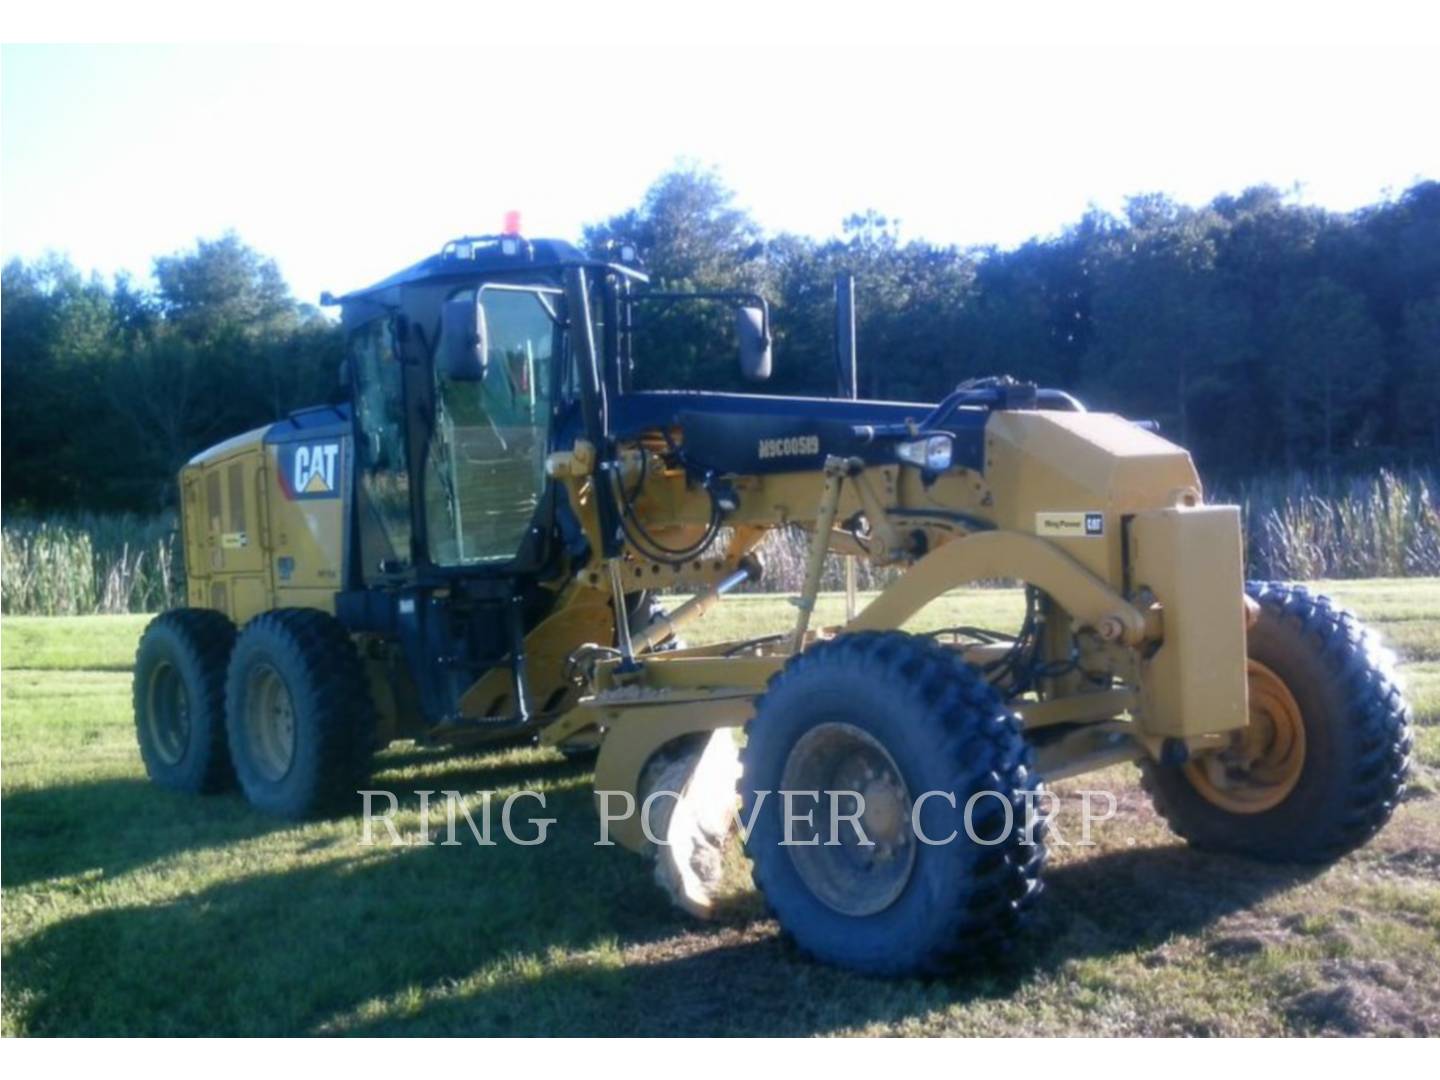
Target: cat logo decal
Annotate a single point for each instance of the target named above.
(310, 470)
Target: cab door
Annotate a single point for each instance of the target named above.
(382, 488)
(487, 498)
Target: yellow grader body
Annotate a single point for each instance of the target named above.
(1023, 519)
(347, 588)
(1058, 468)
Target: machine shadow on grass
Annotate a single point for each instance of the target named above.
(408, 770)
(114, 826)
(740, 978)
(560, 938)
(286, 952)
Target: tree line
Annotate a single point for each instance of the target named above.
(1263, 333)
(109, 387)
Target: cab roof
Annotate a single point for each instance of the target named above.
(471, 255)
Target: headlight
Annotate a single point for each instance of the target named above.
(932, 454)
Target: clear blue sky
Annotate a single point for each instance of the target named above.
(348, 163)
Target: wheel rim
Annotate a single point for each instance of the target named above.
(1263, 763)
(848, 876)
(269, 723)
(169, 713)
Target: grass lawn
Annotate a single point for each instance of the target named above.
(129, 910)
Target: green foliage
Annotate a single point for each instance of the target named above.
(1258, 331)
(1332, 377)
(221, 288)
(692, 237)
(109, 389)
(57, 346)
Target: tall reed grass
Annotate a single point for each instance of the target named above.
(1297, 528)
(88, 564)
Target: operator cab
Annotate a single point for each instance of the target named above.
(466, 371)
(460, 373)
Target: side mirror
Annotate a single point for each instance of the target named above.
(754, 335)
(463, 344)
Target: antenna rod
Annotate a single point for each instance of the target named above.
(846, 363)
(845, 358)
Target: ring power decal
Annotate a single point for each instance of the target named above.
(1069, 523)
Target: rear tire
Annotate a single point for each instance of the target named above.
(1355, 740)
(298, 711)
(893, 716)
(179, 694)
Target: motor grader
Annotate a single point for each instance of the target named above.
(470, 549)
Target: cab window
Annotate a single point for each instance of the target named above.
(380, 455)
(485, 471)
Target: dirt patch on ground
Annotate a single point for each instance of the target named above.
(1408, 846)
(1246, 935)
(1423, 784)
(713, 943)
(1417, 862)
(1373, 997)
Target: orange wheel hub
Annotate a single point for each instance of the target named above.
(1262, 764)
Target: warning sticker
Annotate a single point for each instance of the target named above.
(1069, 523)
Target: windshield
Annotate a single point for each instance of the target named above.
(485, 471)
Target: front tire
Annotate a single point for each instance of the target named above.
(298, 712)
(179, 694)
(894, 717)
(1322, 764)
